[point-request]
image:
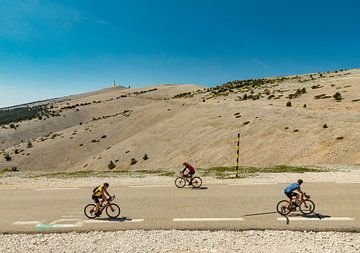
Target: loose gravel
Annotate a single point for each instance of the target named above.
(183, 241)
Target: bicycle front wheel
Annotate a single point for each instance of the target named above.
(196, 182)
(89, 211)
(113, 210)
(283, 207)
(180, 182)
(307, 206)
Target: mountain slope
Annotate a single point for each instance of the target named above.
(199, 125)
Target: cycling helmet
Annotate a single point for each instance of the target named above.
(300, 181)
(106, 184)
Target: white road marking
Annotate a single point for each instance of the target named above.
(149, 186)
(316, 219)
(206, 219)
(26, 222)
(350, 182)
(58, 224)
(107, 221)
(71, 216)
(239, 184)
(55, 189)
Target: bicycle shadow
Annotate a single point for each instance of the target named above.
(314, 216)
(119, 219)
(257, 214)
(199, 188)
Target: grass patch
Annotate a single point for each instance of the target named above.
(113, 173)
(215, 172)
(8, 169)
(230, 172)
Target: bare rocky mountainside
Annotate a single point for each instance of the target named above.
(295, 120)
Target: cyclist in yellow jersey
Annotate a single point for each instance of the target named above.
(99, 192)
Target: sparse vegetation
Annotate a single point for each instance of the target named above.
(8, 116)
(111, 165)
(8, 169)
(29, 144)
(325, 126)
(7, 157)
(133, 161)
(145, 157)
(229, 172)
(337, 96)
(288, 104)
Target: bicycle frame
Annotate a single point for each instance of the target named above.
(297, 202)
(188, 180)
(108, 202)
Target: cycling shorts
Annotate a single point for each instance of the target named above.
(290, 194)
(96, 198)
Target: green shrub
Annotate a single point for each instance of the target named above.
(111, 165)
(133, 161)
(337, 96)
(7, 157)
(29, 144)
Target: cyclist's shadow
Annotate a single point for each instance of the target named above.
(119, 219)
(198, 188)
(313, 216)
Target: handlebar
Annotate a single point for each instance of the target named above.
(111, 198)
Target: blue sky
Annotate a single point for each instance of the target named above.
(55, 48)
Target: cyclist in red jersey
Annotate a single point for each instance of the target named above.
(188, 171)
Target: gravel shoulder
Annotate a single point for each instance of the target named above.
(183, 241)
(337, 174)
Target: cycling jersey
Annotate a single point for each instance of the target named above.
(98, 192)
(292, 187)
(190, 168)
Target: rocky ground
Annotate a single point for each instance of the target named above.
(183, 241)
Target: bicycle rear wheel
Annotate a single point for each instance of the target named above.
(283, 207)
(89, 211)
(196, 182)
(307, 206)
(180, 182)
(113, 210)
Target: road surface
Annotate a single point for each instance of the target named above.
(213, 207)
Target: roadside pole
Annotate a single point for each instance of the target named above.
(237, 155)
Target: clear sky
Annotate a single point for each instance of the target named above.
(51, 48)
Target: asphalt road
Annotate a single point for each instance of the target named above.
(215, 207)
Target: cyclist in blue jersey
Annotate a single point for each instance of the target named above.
(294, 190)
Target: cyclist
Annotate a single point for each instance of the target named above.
(100, 192)
(188, 171)
(294, 190)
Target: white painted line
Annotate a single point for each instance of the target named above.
(253, 184)
(65, 225)
(107, 221)
(149, 186)
(316, 219)
(26, 222)
(206, 219)
(350, 182)
(55, 189)
(71, 216)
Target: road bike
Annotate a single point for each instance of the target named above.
(181, 181)
(305, 205)
(112, 210)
